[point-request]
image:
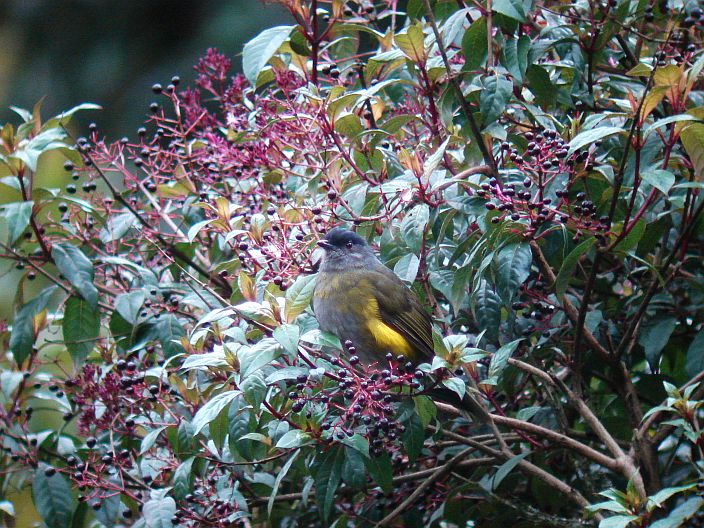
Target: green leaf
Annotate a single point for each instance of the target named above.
(499, 360)
(117, 227)
(659, 498)
(328, 472)
(77, 269)
(591, 136)
(52, 498)
(17, 216)
(452, 284)
(255, 357)
(668, 120)
(569, 264)
(505, 469)
(81, 327)
(662, 180)
(456, 385)
(22, 337)
(412, 43)
(287, 335)
(169, 332)
(258, 51)
(474, 44)
(158, 512)
(695, 355)
(298, 296)
(129, 305)
(511, 8)
(654, 336)
(413, 437)
(293, 438)
(487, 309)
(514, 261)
(353, 470)
(183, 478)
(349, 125)
(380, 469)
(150, 439)
(540, 84)
(617, 521)
(632, 238)
(514, 57)
(425, 408)
(212, 409)
(680, 514)
(413, 226)
(279, 478)
(109, 510)
(407, 267)
(494, 98)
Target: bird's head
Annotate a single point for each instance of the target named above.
(345, 250)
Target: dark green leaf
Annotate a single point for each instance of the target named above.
(505, 469)
(255, 357)
(77, 269)
(570, 263)
(17, 216)
(293, 438)
(500, 358)
(170, 331)
(413, 226)
(681, 513)
(407, 267)
(183, 478)
(52, 498)
(487, 309)
(212, 409)
(514, 263)
(695, 355)
(109, 511)
(81, 326)
(287, 336)
(540, 84)
(514, 56)
(280, 475)
(588, 137)
(494, 98)
(380, 469)
(328, 472)
(474, 44)
(22, 337)
(654, 336)
(413, 437)
(511, 8)
(353, 470)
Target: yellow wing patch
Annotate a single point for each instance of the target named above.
(386, 337)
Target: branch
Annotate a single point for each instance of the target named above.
(436, 475)
(466, 110)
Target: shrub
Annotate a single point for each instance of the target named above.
(532, 171)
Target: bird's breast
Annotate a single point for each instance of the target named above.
(345, 304)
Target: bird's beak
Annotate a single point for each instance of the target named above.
(325, 244)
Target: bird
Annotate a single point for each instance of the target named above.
(358, 299)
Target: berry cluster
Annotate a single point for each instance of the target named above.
(543, 194)
(362, 398)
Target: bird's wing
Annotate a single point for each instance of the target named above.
(400, 309)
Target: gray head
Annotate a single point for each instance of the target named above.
(345, 250)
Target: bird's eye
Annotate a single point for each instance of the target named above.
(349, 245)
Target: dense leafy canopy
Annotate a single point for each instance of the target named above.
(532, 170)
